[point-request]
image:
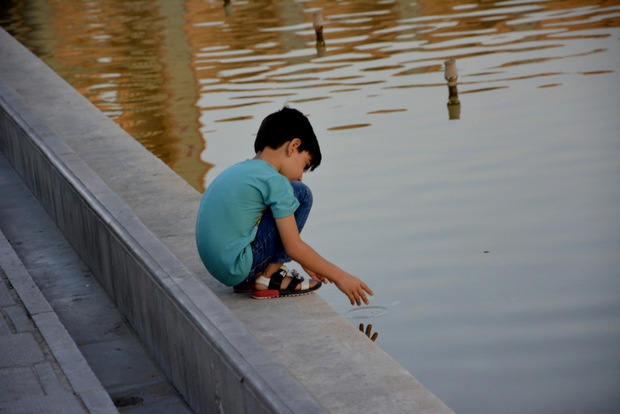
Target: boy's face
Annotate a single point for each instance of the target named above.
(296, 164)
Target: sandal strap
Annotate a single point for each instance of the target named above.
(276, 279)
(262, 280)
(295, 280)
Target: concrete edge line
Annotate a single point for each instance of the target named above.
(39, 157)
(73, 364)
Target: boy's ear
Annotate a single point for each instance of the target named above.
(293, 145)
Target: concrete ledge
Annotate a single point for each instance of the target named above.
(131, 219)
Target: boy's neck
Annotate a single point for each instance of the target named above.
(271, 156)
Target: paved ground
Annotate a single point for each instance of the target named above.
(64, 347)
(32, 342)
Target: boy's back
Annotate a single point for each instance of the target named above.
(230, 212)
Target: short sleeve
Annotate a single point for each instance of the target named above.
(280, 197)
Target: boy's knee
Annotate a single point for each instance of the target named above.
(302, 192)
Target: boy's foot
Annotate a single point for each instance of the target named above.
(283, 283)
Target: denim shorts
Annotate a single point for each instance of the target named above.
(267, 246)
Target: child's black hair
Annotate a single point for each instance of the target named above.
(286, 125)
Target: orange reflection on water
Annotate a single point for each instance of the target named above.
(130, 60)
(172, 73)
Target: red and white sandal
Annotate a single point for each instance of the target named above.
(274, 285)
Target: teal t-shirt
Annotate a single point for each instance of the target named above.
(229, 214)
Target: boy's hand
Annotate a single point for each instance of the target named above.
(354, 288)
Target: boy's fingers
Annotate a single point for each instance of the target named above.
(360, 297)
(364, 298)
(357, 296)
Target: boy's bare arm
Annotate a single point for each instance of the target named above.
(301, 252)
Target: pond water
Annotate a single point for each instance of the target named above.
(489, 230)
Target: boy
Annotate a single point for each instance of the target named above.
(251, 215)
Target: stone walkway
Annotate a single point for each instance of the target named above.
(64, 347)
(41, 368)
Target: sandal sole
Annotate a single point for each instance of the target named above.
(274, 294)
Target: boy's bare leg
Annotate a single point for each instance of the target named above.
(270, 270)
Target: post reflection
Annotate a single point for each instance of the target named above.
(451, 75)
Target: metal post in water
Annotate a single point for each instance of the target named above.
(451, 75)
(317, 22)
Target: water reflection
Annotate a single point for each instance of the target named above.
(451, 75)
(131, 60)
(529, 172)
(170, 72)
(368, 332)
